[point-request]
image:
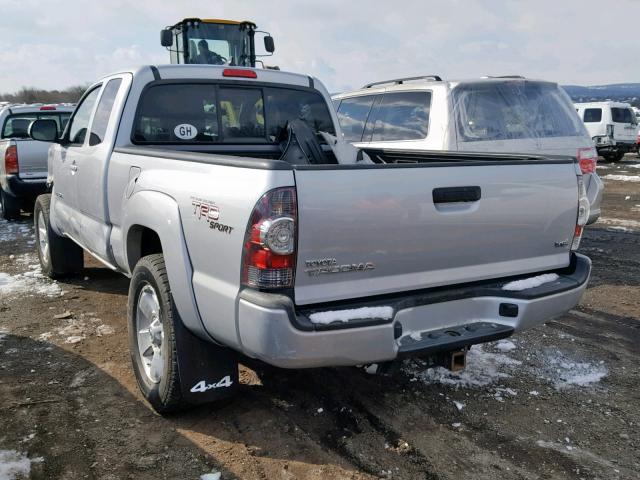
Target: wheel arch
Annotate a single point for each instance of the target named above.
(152, 224)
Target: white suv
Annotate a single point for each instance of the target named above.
(490, 114)
(612, 125)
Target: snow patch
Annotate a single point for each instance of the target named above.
(623, 178)
(15, 465)
(32, 282)
(211, 476)
(564, 372)
(531, 282)
(505, 346)
(10, 231)
(325, 318)
(630, 225)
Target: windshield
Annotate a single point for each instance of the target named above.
(211, 113)
(513, 110)
(216, 44)
(17, 126)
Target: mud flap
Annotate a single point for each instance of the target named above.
(208, 372)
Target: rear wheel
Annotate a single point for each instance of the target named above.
(59, 256)
(152, 341)
(617, 157)
(10, 206)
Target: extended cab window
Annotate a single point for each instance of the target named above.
(209, 113)
(513, 110)
(103, 112)
(80, 121)
(592, 115)
(352, 115)
(17, 125)
(401, 116)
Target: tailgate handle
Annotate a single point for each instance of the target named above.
(456, 194)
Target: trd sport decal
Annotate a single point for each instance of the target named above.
(210, 213)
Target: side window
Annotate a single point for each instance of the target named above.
(352, 115)
(402, 116)
(592, 115)
(103, 112)
(80, 120)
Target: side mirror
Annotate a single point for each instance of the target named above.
(44, 130)
(166, 38)
(269, 46)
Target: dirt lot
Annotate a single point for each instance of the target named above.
(557, 402)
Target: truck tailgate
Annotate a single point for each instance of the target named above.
(374, 229)
(32, 158)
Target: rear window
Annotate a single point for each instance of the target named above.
(400, 116)
(17, 125)
(622, 115)
(210, 113)
(592, 115)
(513, 110)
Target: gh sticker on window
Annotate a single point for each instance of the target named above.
(185, 131)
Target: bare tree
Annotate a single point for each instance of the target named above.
(34, 95)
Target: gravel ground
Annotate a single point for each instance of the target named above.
(560, 401)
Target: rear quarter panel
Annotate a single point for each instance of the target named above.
(214, 252)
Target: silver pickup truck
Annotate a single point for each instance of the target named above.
(229, 198)
(23, 169)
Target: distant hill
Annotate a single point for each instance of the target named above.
(627, 92)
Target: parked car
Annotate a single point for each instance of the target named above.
(612, 125)
(225, 195)
(23, 171)
(499, 114)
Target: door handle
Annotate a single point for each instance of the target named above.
(456, 194)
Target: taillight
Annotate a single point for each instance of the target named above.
(239, 72)
(587, 158)
(11, 160)
(584, 210)
(48, 107)
(269, 256)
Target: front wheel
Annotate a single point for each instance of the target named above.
(59, 256)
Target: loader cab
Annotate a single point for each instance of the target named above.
(214, 42)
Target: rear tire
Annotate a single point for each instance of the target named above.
(617, 157)
(10, 206)
(59, 256)
(152, 339)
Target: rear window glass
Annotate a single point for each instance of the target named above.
(592, 115)
(17, 125)
(401, 116)
(210, 113)
(352, 115)
(513, 110)
(622, 115)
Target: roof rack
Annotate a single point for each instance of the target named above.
(503, 76)
(399, 81)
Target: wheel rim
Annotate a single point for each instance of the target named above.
(43, 238)
(150, 333)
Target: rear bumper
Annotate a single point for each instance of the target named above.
(618, 147)
(272, 330)
(27, 189)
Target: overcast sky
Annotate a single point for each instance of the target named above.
(56, 44)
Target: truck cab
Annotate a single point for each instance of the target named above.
(23, 169)
(214, 42)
